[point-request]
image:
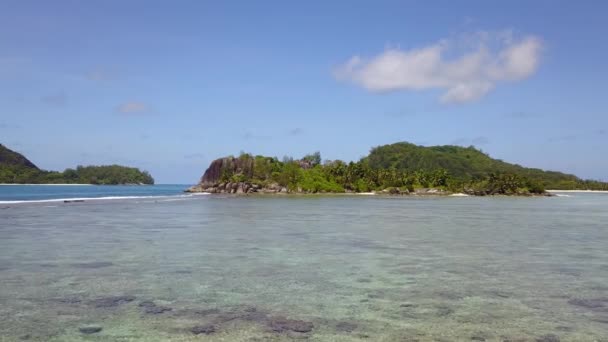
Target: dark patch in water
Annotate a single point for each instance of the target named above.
(250, 315)
(282, 324)
(113, 301)
(548, 338)
(451, 295)
(346, 326)
(69, 300)
(48, 265)
(444, 310)
(92, 265)
(480, 336)
(376, 295)
(501, 294)
(564, 328)
(149, 307)
(601, 319)
(205, 312)
(90, 329)
(407, 305)
(206, 329)
(183, 272)
(364, 280)
(296, 235)
(593, 303)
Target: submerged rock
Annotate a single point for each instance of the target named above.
(595, 303)
(114, 301)
(90, 329)
(69, 300)
(282, 324)
(203, 329)
(346, 326)
(205, 312)
(149, 307)
(444, 310)
(548, 338)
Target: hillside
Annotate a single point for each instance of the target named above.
(17, 169)
(396, 168)
(465, 163)
(11, 158)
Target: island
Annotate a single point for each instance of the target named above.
(17, 169)
(401, 168)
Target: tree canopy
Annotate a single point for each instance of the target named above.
(15, 168)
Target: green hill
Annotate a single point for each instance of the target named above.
(467, 163)
(12, 158)
(17, 169)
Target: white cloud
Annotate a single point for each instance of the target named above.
(466, 68)
(132, 107)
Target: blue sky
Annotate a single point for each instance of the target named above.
(170, 86)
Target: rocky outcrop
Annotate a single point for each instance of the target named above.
(228, 166)
(236, 188)
(214, 178)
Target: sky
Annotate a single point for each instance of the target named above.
(168, 86)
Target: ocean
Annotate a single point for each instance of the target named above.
(58, 193)
(175, 267)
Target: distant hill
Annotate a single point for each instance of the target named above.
(466, 163)
(17, 169)
(11, 158)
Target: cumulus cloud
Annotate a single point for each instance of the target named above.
(132, 107)
(466, 68)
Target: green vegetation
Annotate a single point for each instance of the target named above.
(466, 164)
(404, 167)
(15, 168)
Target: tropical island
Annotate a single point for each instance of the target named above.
(17, 169)
(400, 168)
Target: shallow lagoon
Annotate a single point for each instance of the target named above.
(343, 268)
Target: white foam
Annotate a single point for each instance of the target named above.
(107, 198)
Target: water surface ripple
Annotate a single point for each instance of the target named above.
(306, 267)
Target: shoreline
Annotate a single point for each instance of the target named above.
(55, 184)
(74, 184)
(366, 194)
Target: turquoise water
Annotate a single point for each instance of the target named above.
(15, 193)
(321, 268)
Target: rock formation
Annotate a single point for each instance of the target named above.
(222, 175)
